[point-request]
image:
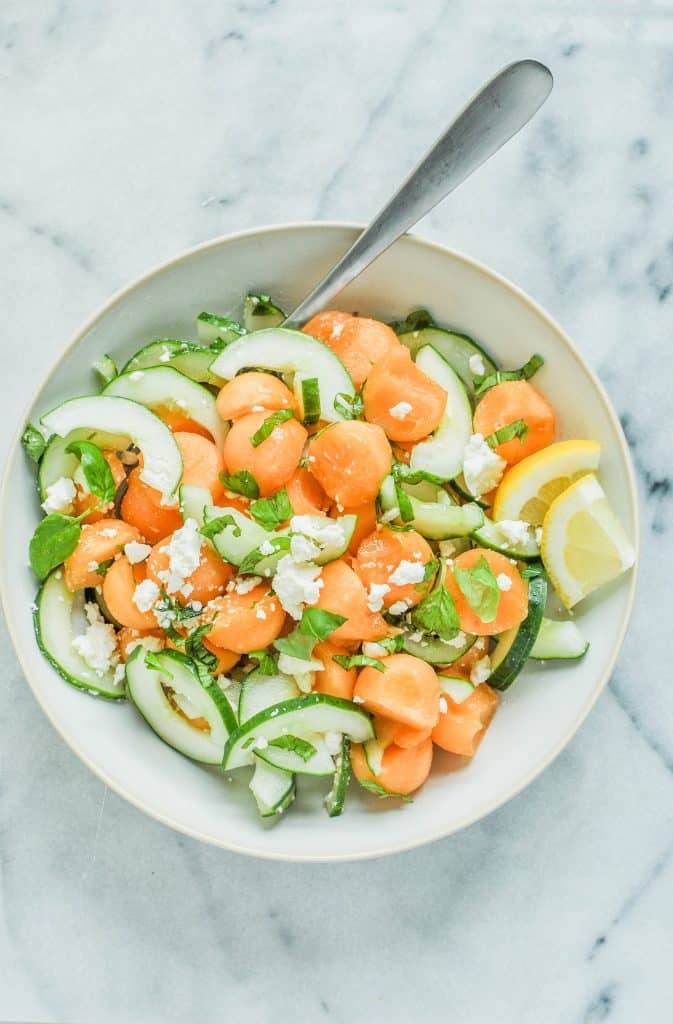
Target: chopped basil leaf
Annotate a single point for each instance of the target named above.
(97, 472)
(33, 442)
(302, 748)
(349, 406)
(375, 787)
(267, 666)
(55, 538)
(320, 623)
(484, 382)
(241, 482)
(348, 661)
(271, 512)
(269, 424)
(480, 588)
(417, 320)
(196, 649)
(437, 613)
(405, 474)
(296, 645)
(215, 526)
(255, 556)
(404, 504)
(517, 428)
(533, 570)
(392, 644)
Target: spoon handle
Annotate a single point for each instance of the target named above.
(497, 112)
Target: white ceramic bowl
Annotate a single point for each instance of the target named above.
(543, 709)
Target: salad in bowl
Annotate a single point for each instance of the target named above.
(321, 552)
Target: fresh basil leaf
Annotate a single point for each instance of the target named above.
(241, 482)
(302, 748)
(351, 407)
(319, 623)
(33, 442)
(254, 557)
(215, 526)
(517, 428)
(484, 382)
(375, 787)
(97, 472)
(417, 320)
(437, 613)
(261, 305)
(176, 612)
(296, 645)
(310, 399)
(269, 425)
(267, 666)
(54, 539)
(104, 566)
(480, 589)
(197, 651)
(533, 570)
(404, 504)
(402, 473)
(153, 662)
(428, 572)
(271, 512)
(349, 661)
(392, 644)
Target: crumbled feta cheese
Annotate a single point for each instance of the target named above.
(458, 640)
(391, 514)
(184, 557)
(371, 649)
(136, 552)
(260, 613)
(333, 742)
(476, 364)
(401, 410)
(504, 581)
(60, 496)
(303, 549)
(375, 596)
(145, 595)
(97, 646)
(92, 566)
(399, 608)
(196, 605)
(407, 572)
(119, 673)
(323, 530)
(257, 408)
(266, 548)
(358, 700)
(482, 467)
(336, 330)
(515, 531)
(165, 356)
(296, 584)
(109, 531)
(136, 375)
(481, 670)
(443, 706)
(261, 743)
(244, 584)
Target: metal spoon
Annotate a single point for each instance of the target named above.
(496, 113)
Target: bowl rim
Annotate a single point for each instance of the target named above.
(485, 810)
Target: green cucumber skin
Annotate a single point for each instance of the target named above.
(557, 654)
(335, 799)
(515, 659)
(454, 347)
(436, 651)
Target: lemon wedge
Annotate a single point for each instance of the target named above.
(583, 544)
(528, 489)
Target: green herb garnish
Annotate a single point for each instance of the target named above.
(269, 425)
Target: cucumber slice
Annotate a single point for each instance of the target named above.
(109, 416)
(335, 799)
(515, 645)
(312, 713)
(165, 386)
(458, 486)
(436, 651)
(106, 368)
(190, 359)
(374, 751)
(490, 536)
(56, 608)
(290, 352)
(320, 763)
(456, 688)
(437, 520)
(273, 789)
(193, 502)
(259, 313)
(561, 640)
(212, 329)
(443, 454)
(259, 692)
(146, 687)
(233, 543)
(456, 349)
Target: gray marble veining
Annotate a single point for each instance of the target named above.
(131, 131)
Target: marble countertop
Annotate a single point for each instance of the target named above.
(134, 130)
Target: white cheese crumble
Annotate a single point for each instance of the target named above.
(136, 375)
(375, 596)
(333, 742)
(504, 581)
(261, 743)
(97, 646)
(323, 530)
(60, 496)
(184, 557)
(458, 640)
(401, 410)
(260, 613)
(257, 408)
(407, 572)
(92, 566)
(244, 584)
(303, 549)
(371, 649)
(145, 595)
(399, 608)
(296, 585)
(481, 670)
(443, 706)
(515, 531)
(358, 700)
(482, 467)
(336, 330)
(109, 531)
(476, 364)
(266, 548)
(136, 552)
